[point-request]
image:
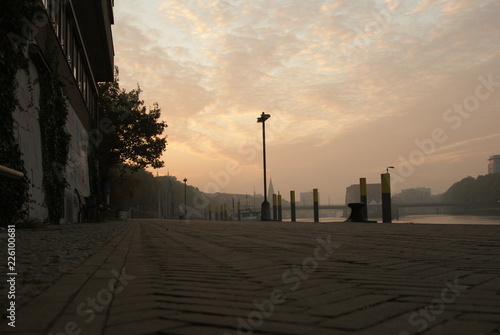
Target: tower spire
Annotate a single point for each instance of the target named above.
(270, 189)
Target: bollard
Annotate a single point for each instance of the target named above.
(280, 213)
(216, 213)
(292, 206)
(363, 196)
(225, 212)
(239, 211)
(357, 213)
(316, 205)
(209, 212)
(386, 198)
(275, 207)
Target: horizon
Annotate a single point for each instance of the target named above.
(322, 200)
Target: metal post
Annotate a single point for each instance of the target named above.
(275, 207)
(316, 205)
(185, 198)
(363, 196)
(386, 198)
(159, 204)
(239, 211)
(292, 206)
(280, 213)
(172, 208)
(265, 208)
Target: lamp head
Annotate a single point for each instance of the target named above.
(263, 117)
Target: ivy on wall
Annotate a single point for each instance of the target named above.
(53, 112)
(16, 31)
(14, 34)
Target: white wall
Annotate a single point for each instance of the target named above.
(27, 130)
(77, 172)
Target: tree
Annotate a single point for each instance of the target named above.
(131, 135)
(482, 192)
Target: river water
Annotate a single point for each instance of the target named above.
(419, 219)
(451, 219)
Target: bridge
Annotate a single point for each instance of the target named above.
(394, 205)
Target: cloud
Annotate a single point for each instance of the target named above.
(327, 71)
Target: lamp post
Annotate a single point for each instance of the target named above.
(266, 207)
(185, 198)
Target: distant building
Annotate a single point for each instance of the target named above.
(307, 198)
(81, 32)
(494, 164)
(414, 195)
(373, 194)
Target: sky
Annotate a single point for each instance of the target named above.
(352, 87)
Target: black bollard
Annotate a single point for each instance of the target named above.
(357, 213)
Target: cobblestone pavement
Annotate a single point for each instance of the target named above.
(196, 277)
(43, 255)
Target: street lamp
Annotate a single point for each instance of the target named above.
(266, 207)
(185, 197)
(389, 167)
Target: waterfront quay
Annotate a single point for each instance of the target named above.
(214, 277)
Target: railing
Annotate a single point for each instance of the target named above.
(10, 173)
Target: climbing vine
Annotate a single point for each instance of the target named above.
(53, 112)
(14, 35)
(19, 23)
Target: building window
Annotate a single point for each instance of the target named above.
(64, 24)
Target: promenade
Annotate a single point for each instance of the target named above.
(200, 277)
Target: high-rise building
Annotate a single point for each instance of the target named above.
(494, 164)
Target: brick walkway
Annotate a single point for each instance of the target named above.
(195, 277)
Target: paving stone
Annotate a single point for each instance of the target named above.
(366, 317)
(204, 277)
(349, 305)
(458, 327)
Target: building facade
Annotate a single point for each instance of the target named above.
(373, 194)
(494, 164)
(414, 196)
(81, 34)
(307, 198)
